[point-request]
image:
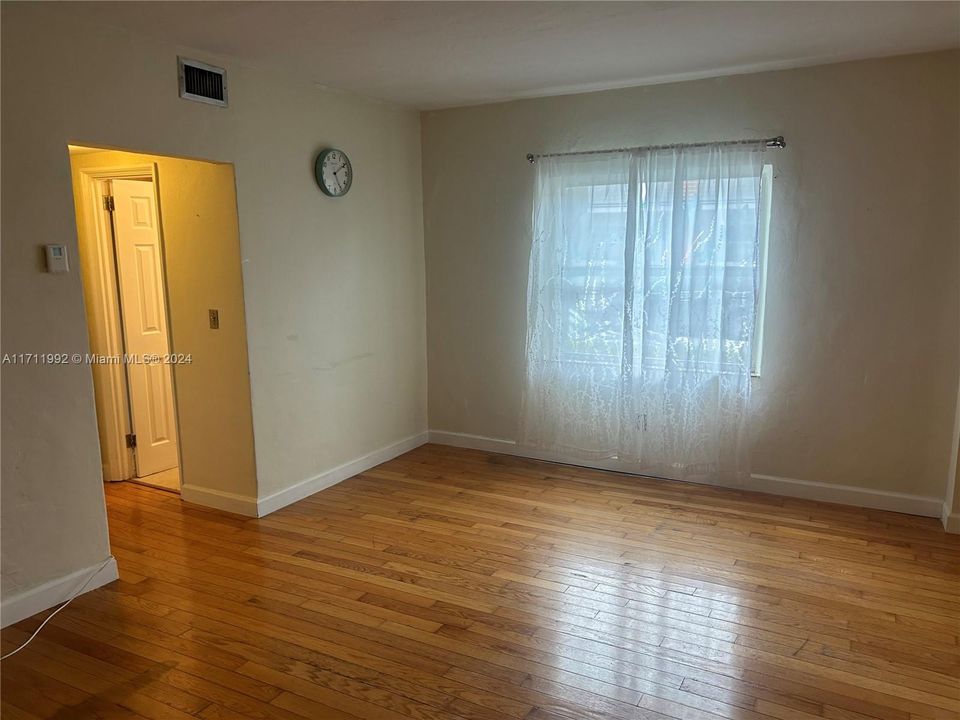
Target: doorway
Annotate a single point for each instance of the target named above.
(174, 221)
(130, 335)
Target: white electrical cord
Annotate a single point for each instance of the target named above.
(65, 603)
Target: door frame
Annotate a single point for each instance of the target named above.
(101, 284)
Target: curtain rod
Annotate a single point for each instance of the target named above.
(774, 142)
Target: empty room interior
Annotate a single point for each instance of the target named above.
(480, 360)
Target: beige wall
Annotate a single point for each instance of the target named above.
(334, 289)
(956, 485)
(951, 501)
(860, 359)
(198, 208)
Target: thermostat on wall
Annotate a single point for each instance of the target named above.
(57, 258)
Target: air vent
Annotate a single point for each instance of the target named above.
(202, 82)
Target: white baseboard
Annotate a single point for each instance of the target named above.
(847, 495)
(30, 602)
(950, 520)
(219, 500)
(254, 507)
(475, 442)
(305, 488)
(789, 487)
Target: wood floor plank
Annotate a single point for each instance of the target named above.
(462, 585)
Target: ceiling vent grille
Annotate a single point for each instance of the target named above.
(201, 82)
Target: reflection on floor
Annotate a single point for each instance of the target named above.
(164, 480)
(451, 584)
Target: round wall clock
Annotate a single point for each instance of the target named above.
(333, 172)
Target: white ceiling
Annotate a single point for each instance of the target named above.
(443, 54)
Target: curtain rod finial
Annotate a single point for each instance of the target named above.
(531, 158)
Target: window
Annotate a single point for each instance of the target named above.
(593, 282)
(766, 203)
(647, 276)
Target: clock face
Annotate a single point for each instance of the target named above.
(334, 173)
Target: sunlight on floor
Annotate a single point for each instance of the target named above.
(165, 480)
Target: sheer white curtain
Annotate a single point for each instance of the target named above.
(641, 302)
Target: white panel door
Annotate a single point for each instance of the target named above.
(144, 310)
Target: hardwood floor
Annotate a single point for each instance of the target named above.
(163, 480)
(457, 584)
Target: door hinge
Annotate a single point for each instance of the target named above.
(108, 203)
(131, 440)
